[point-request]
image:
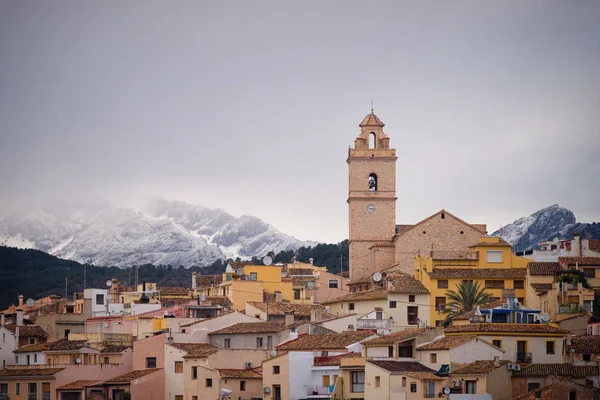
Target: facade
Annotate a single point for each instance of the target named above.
(489, 262)
(16, 335)
(482, 377)
(388, 380)
(140, 384)
(277, 311)
(534, 377)
(551, 250)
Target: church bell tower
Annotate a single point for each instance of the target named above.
(371, 199)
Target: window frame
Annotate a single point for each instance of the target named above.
(411, 298)
(334, 284)
(242, 386)
(553, 343)
(356, 383)
(194, 372)
(412, 318)
(253, 276)
(148, 359)
(489, 259)
(259, 342)
(180, 365)
(276, 369)
(99, 296)
(392, 304)
(227, 343)
(208, 382)
(351, 306)
(442, 283)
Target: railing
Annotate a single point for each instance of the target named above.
(42, 366)
(4, 396)
(32, 396)
(373, 324)
(316, 390)
(524, 357)
(45, 396)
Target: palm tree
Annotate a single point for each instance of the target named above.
(468, 296)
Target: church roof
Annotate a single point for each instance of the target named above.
(371, 120)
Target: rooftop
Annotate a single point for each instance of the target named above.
(331, 341)
(379, 294)
(239, 373)
(582, 261)
(470, 314)
(67, 345)
(77, 385)
(250, 327)
(584, 344)
(404, 283)
(446, 343)
(396, 367)
(478, 273)
(479, 367)
(395, 337)
(300, 310)
(33, 331)
(541, 287)
(196, 350)
(333, 360)
(29, 372)
(131, 376)
(543, 268)
(559, 369)
(485, 327)
(371, 120)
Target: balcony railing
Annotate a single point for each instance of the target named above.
(524, 357)
(374, 324)
(4, 396)
(316, 390)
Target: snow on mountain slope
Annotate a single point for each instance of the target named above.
(167, 232)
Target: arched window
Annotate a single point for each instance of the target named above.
(372, 140)
(373, 182)
(443, 215)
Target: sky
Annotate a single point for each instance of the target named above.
(250, 106)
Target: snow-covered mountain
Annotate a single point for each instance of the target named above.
(546, 224)
(164, 232)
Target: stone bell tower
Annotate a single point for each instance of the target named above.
(371, 199)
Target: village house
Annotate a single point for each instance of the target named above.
(391, 379)
(559, 388)
(16, 335)
(535, 376)
(481, 377)
(145, 384)
(450, 352)
(250, 335)
(277, 311)
(241, 384)
(399, 345)
(582, 350)
(549, 251)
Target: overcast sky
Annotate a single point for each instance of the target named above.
(250, 106)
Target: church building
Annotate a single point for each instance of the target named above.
(376, 242)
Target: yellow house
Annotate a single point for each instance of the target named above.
(489, 262)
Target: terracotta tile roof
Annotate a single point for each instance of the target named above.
(30, 372)
(446, 343)
(33, 331)
(208, 280)
(395, 337)
(479, 367)
(396, 367)
(582, 261)
(541, 287)
(196, 350)
(250, 327)
(300, 271)
(333, 360)
(77, 385)
(478, 227)
(114, 349)
(167, 290)
(584, 344)
(426, 376)
(239, 373)
(404, 283)
(330, 341)
(33, 347)
(131, 376)
(192, 323)
(219, 300)
(300, 310)
(371, 120)
(562, 369)
(543, 268)
(379, 294)
(470, 314)
(67, 345)
(594, 244)
(501, 243)
(504, 328)
(478, 273)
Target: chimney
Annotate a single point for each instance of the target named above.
(572, 356)
(311, 260)
(289, 318)
(193, 280)
(20, 300)
(19, 317)
(17, 335)
(568, 340)
(496, 361)
(277, 297)
(2, 320)
(577, 239)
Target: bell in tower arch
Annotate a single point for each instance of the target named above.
(373, 182)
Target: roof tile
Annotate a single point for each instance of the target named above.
(478, 273)
(396, 337)
(30, 372)
(396, 367)
(196, 350)
(300, 310)
(239, 373)
(330, 341)
(479, 367)
(543, 268)
(250, 327)
(562, 369)
(584, 344)
(446, 343)
(506, 328)
(131, 376)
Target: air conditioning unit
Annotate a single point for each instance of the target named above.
(248, 364)
(505, 305)
(510, 366)
(517, 367)
(266, 389)
(456, 382)
(517, 305)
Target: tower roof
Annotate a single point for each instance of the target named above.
(371, 120)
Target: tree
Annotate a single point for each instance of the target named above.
(466, 298)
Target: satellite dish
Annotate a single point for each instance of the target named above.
(30, 302)
(78, 361)
(267, 260)
(202, 297)
(226, 392)
(446, 390)
(284, 274)
(273, 353)
(545, 317)
(105, 324)
(377, 276)
(108, 283)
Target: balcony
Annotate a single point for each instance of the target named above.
(4, 396)
(385, 324)
(524, 358)
(317, 392)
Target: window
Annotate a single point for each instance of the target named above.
(194, 397)
(194, 372)
(35, 358)
(179, 397)
(358, 381)
(497, 343)
(533, 386)
(587, 357)
(403, 381)
(440, 303)
(253, 276)
(471, 387)
(67, 331)
(150, 362)
(377, 381)
(32, 391)
(373, 182)
(18, 388)
(325, 380)
(413, 315)
(259, 342)
(550, 347)
(433, 358)
(443, 215)
(411, 298)
(589, 272)
(572, 395)
(392, 304)
(494, 284)
(16, 359)
(46, 391)
(99, 299)
(106, 360)
(178, 367)
(31, 340)
(208, 382)
(494, 256)
(413, 387)
(296, 294)
(227, 343)
(390, 351)
(3, 389)
(519, 284)
(405, 351)
(275, 369)
(333, 284)
(351, 306)
(242, 386)
(442, 283)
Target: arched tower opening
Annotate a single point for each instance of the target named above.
(372, 140)
(373, 182)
